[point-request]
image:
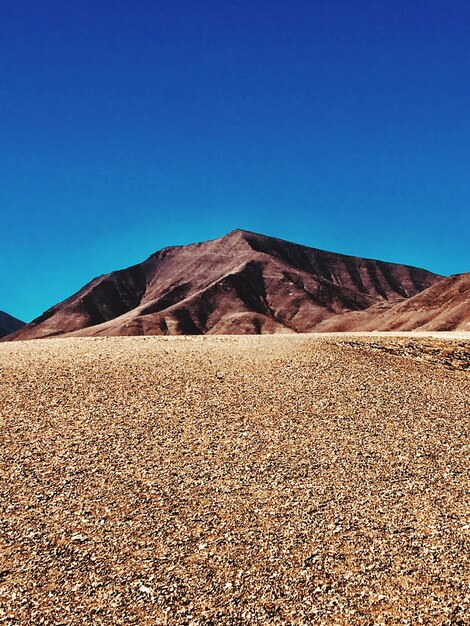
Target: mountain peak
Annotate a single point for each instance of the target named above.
(239, 233)
(236, 231)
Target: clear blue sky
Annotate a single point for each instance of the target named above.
(126, 126)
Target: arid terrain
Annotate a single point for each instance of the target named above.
(288, 479)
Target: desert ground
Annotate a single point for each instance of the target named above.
(289, 479)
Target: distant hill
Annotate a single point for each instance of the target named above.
(8, 324)
(240, 283)
(443, 306)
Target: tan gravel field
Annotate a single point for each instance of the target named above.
(249, 480)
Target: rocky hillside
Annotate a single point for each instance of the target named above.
(9, 324)
(240, 283)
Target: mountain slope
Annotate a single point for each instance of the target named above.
(9, 324)
(443, 306)
(240, 283)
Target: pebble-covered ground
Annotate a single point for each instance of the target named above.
(235, 481)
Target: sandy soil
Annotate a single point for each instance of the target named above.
(235, 480)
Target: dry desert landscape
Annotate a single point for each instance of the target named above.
(285, 479)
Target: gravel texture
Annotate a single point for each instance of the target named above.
(235, 480)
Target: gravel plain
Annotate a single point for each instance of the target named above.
(235, 481)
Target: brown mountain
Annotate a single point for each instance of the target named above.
(9, 324)
(240, 283)
(443, 306)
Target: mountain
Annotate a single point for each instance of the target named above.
(443, 306)
(240, 283)
(8, 324)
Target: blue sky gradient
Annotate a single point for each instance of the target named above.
(129, 126)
